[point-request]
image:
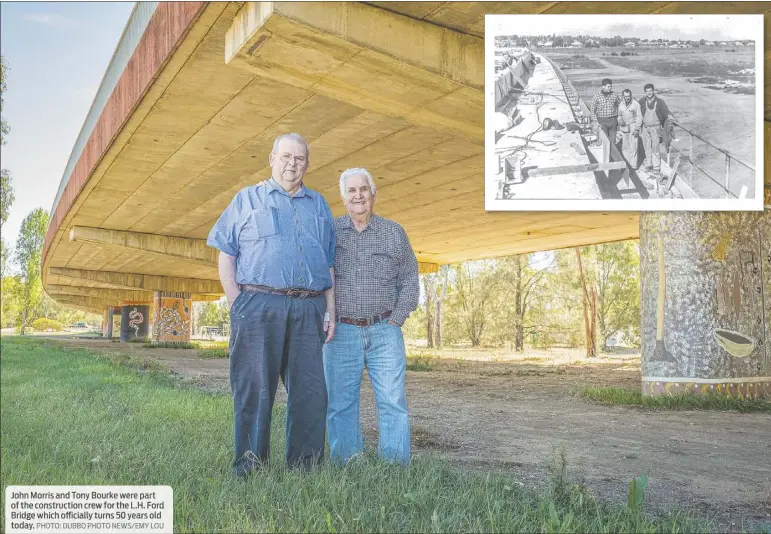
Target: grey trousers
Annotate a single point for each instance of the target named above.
(276, 336)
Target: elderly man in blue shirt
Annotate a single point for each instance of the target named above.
(276, 264)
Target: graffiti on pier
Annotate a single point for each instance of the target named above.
(172, 317)
(136, 318)
(739, 302)
(706, 295)
(171, 321)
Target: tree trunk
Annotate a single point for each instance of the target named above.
(26, 311)
(519, 320)
(475, 336)
(428, 283)
(438, 324)
(591, 349)
(439, 300)
(593, 322)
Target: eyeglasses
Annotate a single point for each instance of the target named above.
(300, 161)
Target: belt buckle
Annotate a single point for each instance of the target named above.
(299, 293)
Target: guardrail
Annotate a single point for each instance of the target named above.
(730, 159)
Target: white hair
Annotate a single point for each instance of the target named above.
(293, 137)
(347, 173)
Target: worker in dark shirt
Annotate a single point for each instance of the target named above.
(656, 115)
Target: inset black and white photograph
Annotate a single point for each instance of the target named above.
(624, 112)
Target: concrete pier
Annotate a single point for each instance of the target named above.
(134, 322)
(172, 313)
(706, 303)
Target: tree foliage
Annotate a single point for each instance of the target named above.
(29, 247)
(6, 189)
(11, 309)
(214, 314)
(4, 128)
(536, 300)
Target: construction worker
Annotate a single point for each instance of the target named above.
(655, 114)
(604, 109)
(629, 123)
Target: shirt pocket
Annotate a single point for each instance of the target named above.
(385, 267)
(259, 224)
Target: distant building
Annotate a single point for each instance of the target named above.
(548, 43)
(709, 43)
(575, 44)
(738, 43)
(630, 44)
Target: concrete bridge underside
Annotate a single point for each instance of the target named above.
(396, 87)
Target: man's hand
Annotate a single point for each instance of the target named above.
(393, 323)
(329, 328)
(227, 271)
(232, 299)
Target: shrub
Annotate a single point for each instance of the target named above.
(44, 325)
(421, 362)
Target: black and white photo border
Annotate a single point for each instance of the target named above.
(754, 31)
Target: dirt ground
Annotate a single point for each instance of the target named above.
(513, 415)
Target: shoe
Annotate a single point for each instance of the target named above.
(241, 473)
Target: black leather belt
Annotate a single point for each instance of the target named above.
(366, 321)
(292, 292)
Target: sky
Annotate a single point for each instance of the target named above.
(672, 27)
(57, 53)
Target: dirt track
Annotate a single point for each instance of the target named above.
(514, 415)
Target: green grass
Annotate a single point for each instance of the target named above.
(170, 345)
(205, 349)
(420, 361)
(72, 418)
(634, 397)
(213, 353)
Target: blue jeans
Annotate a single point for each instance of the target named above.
(380, 348)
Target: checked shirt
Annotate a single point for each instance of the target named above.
(606, 106)
(375, 270)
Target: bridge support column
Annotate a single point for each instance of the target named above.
(107, 323)
(134, 321)
(706, 303)
(172, 313)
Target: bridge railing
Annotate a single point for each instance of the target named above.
(736, 173)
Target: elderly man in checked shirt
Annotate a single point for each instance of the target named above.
(376, 288)
(276, 263)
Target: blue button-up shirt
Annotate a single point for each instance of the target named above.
(279, 240)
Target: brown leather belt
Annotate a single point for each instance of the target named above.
(367, 321)
(294, 293)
